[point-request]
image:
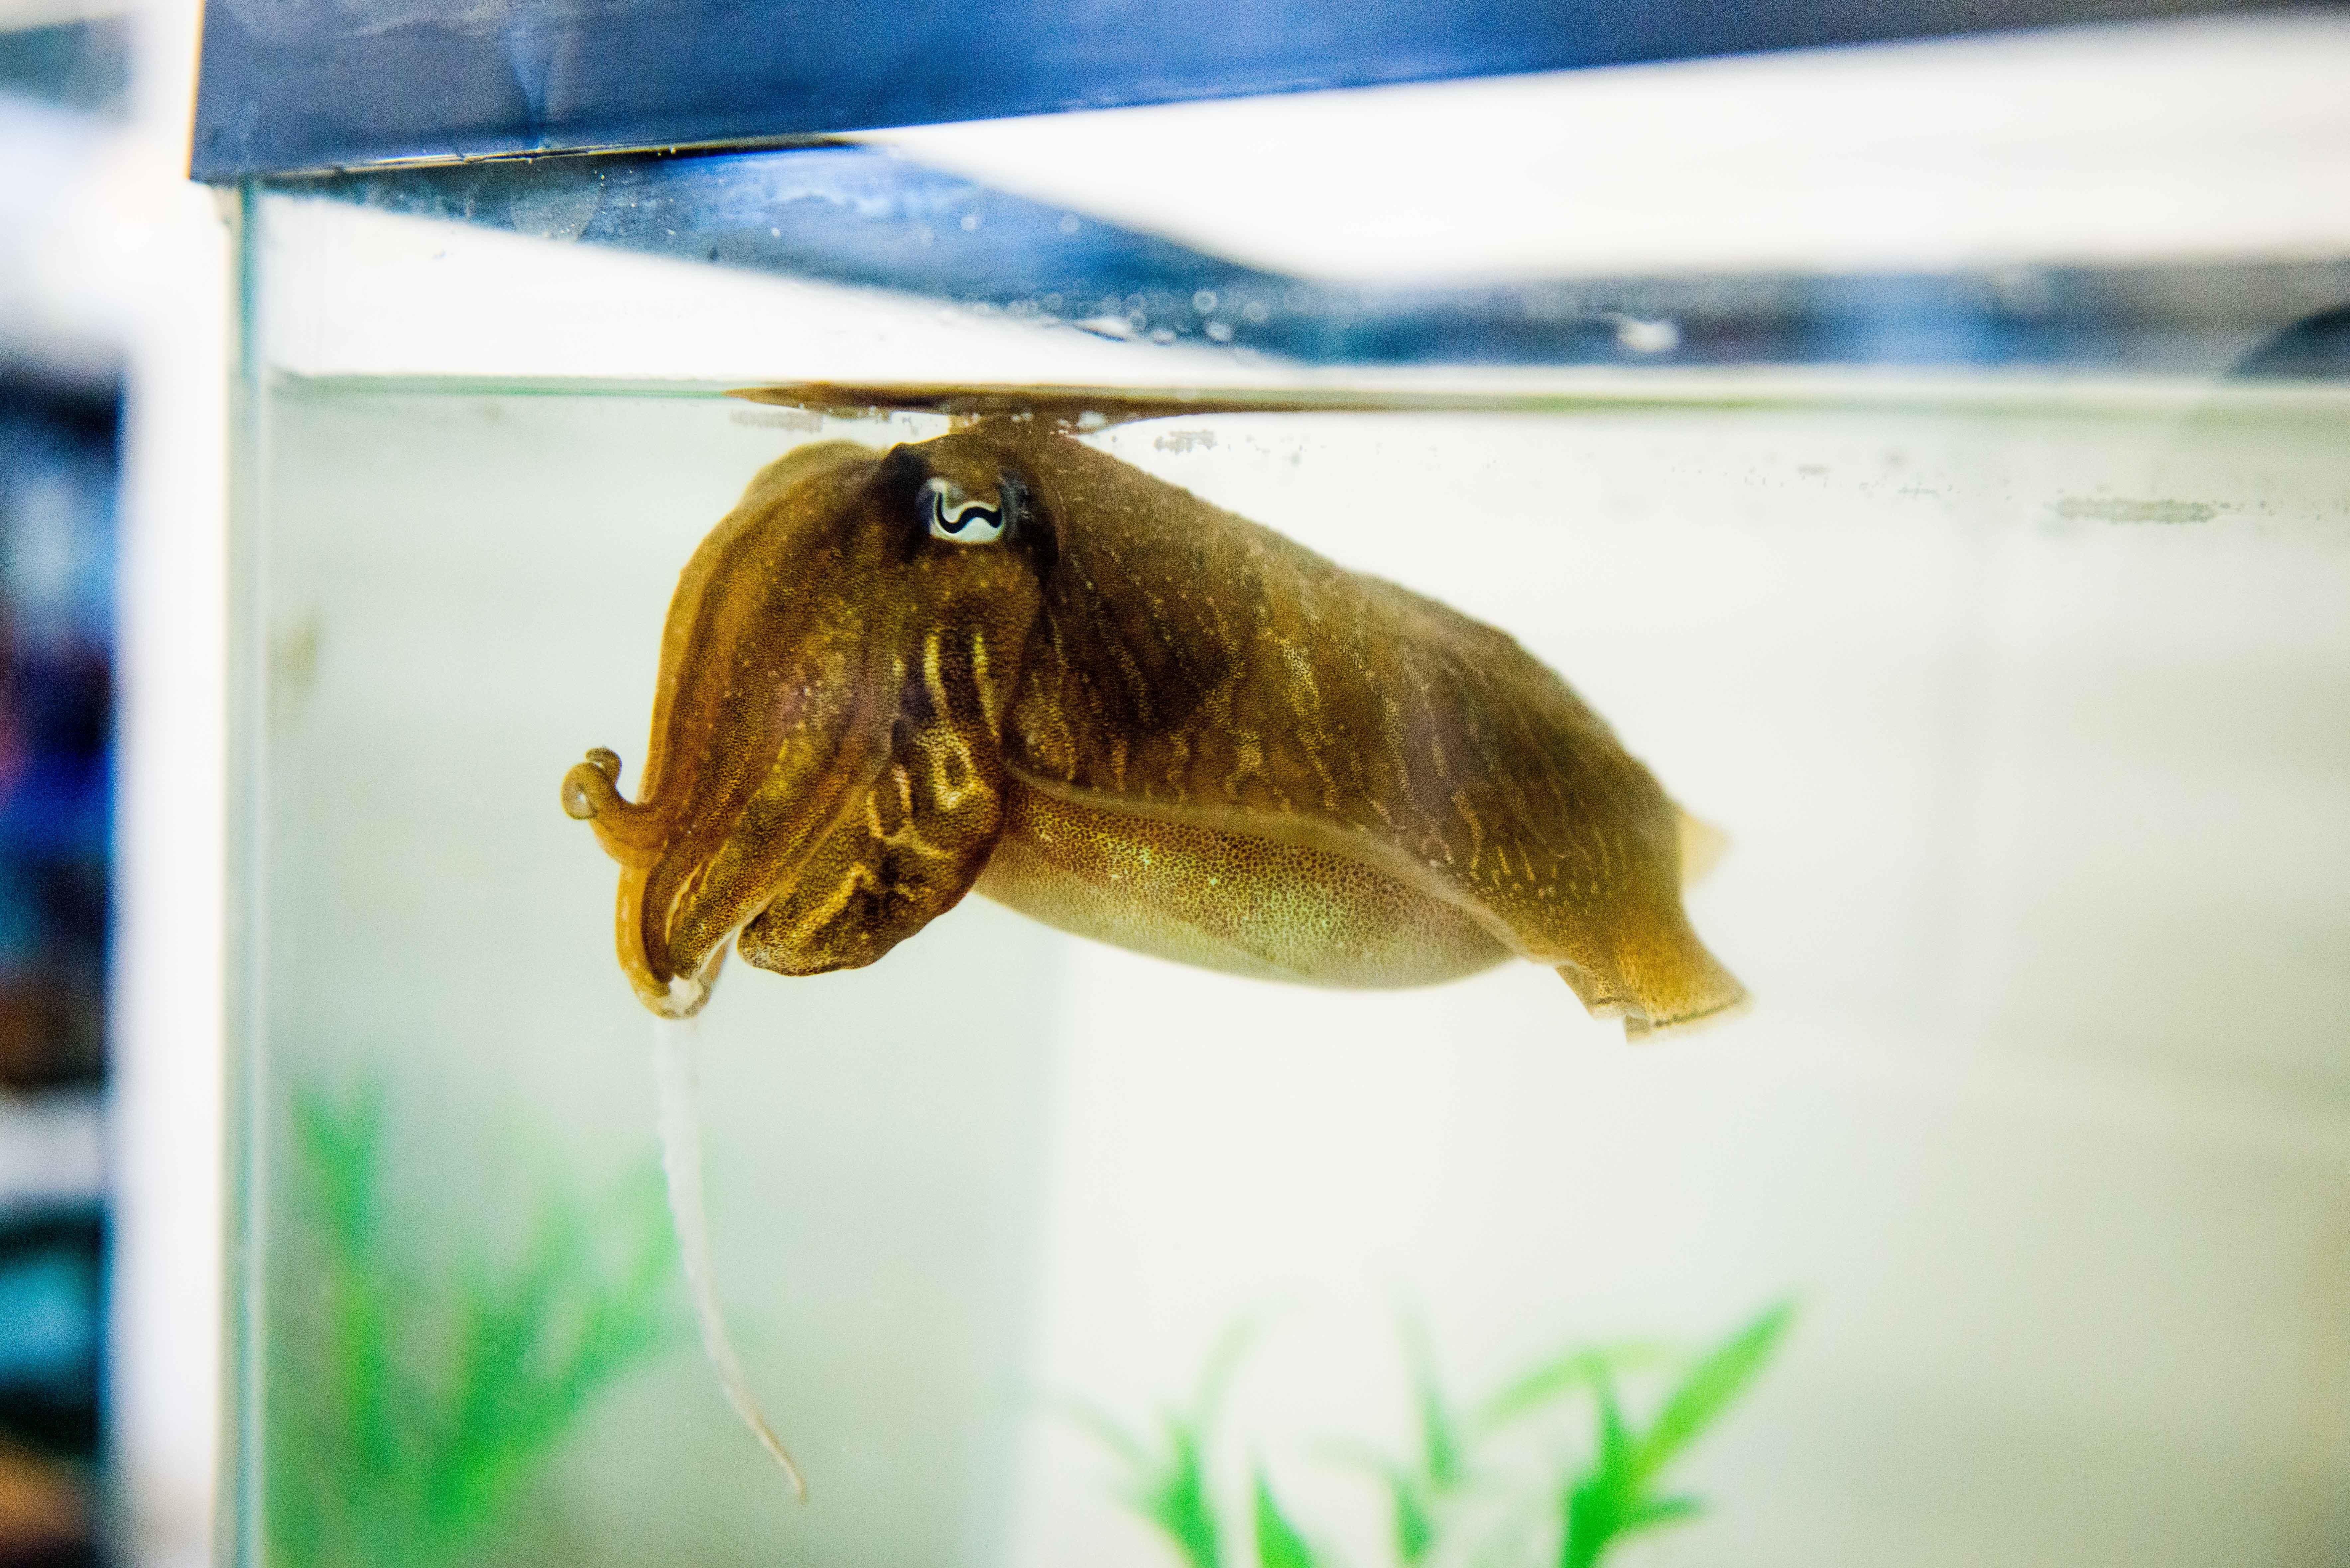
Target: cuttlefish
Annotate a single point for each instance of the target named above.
(1002, 660)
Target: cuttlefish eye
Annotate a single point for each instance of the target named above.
(960, 519)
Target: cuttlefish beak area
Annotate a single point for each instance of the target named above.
(793, 639)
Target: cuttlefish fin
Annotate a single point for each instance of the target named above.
(1702, 846)
(680, 1144)
(1678, 988)
(1655, 974)
(1703, 992)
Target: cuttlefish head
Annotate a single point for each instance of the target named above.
(852, 628)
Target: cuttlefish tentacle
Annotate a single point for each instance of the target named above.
(680, 1141)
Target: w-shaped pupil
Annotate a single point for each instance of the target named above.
(965, 522)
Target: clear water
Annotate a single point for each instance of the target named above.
(2025, 717)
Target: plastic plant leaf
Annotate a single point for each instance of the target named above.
(1169, 1489)
(1662, 1511)
(1574, 1372)
(1167, 1483)
(1178, 1502)
(413, 1412)
(1278, 1542)
(532, 1353)
(1617, 1452)
(1416, 1489)
(1599, 1502)
(1593, 1521)
(1231, 1348)
(1442, 1462)
(1411, 1511)
(1104, 1428)
(1446, 1502)
(1711, 1387)
(1415, 1524)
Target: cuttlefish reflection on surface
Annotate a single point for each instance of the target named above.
(1000, 659)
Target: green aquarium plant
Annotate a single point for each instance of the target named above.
(1588, 1497)
(1166, 1479)
(410, 1402)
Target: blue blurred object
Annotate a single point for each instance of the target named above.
(82, 64)
(52, 1317)
(2315, 349)
(58, 469)
(290, 86)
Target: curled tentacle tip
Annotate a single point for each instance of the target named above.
(577, 804)
(592, 785)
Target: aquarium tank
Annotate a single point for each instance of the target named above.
(1415, 784)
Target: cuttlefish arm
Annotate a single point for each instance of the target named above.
(767, 715)
(919, 838)
(824, 773)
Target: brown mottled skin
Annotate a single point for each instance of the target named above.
(1133, 716)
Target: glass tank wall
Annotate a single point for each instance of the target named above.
(2010, 660)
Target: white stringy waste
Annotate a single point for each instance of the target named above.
(681, 1142)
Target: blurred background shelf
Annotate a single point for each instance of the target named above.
(72, 224)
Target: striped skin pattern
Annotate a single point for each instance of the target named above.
(1131, 715)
